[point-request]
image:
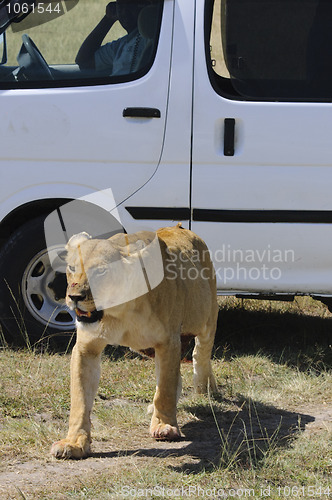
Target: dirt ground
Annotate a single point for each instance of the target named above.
(199, 447)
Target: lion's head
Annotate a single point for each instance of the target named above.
(102, 274)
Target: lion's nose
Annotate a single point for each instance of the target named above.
(77, 298)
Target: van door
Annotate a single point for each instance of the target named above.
(79, 127)
(262, 150)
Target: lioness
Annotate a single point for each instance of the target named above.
(144, 290)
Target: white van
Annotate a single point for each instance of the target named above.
(222, 120)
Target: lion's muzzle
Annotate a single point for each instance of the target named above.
(83, 316)
(88, 316)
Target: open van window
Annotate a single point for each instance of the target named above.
(45, 38)
(271, 49)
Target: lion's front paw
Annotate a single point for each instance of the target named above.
(69, 448)
(166, 432)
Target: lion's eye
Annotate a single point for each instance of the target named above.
(101, 271)
(71, 269)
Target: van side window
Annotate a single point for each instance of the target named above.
(270, 49)
(78, 42)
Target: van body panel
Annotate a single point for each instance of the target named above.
(281, 167)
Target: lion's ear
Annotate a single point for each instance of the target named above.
(77, 239)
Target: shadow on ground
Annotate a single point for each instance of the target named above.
(221, 438)
(296, 339)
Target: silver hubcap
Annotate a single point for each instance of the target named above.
(43, 290)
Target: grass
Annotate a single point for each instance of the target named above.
(268, 429)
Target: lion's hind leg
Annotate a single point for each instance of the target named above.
(204, 380)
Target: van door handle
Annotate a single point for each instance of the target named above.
(229, 132)
(141, 113)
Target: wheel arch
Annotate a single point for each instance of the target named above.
(30, 210)
(26, 212)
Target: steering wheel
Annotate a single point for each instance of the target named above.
(36, 57)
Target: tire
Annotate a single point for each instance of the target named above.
(32, 292)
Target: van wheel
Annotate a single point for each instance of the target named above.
(32, 291)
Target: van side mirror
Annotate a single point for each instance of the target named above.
(3, 49)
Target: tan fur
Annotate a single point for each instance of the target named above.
(177, 306)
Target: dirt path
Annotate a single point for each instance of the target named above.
(29, 476)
